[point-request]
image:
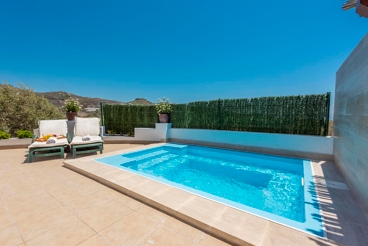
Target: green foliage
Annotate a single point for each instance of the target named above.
(24, 134)
(307, 115)
(124, 118)
(163, 106)
(21, 108)
(72, 105)
(4, 135)
(111, 132)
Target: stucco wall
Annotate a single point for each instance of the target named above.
(351, 121)
(312, 147)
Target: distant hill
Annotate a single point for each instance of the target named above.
(58, 97)
(90, 105)
(140, 101)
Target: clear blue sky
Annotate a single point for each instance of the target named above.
(184, 50)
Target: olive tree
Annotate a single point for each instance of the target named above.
(21, 108)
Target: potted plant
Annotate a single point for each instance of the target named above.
(163, 108)
(72, 107)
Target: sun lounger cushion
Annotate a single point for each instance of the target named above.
(59, 142)
(87, 126)
(93, 139)
(57, 127)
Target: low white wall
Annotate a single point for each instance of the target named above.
(323, 146)
(159, 133)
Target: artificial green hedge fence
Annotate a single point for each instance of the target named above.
(307, 115)
(122, 119)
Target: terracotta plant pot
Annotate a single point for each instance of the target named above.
(164, 118)
(71, 115)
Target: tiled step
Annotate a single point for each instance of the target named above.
(151, 155)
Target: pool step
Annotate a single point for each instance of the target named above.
(116, 160)
(151, 155)
(134, 160)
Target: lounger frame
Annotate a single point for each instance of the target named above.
(33, 152)
(75, 148)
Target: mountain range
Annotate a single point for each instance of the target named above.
(57, 98)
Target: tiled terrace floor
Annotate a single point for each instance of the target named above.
(43, 203)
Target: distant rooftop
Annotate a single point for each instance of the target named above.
(360, 5)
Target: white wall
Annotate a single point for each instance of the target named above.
(160, 132)
(288, 142)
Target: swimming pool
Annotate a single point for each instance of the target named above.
(276, 188)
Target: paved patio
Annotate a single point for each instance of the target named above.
(44, 203)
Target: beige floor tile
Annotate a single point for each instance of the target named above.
(330, 195)
(71, 233)
(173, 198)
(88, 166)
(20, 191)
(130, 202)
(247, 227)
(208, 240)
(198, 208)
(183, 229)
(129, 230)
(132, 181)
(17, 187)
(112, 194)
(70, 173)
(84, 204)
(64, 194)
(105, 215)
(24, 212)
(46, 172)
(10, 236)
(164, 237)
(95, 240)
(281, 235)
(44, 222)
(4, 163)
(150, 189)
(6, 172)
(2, 207)
(152, 213)
(12, 180)
(86, 189)
(103, 170)
(80, 179)
(117, 175)
(31, 198)
(45, 181)
(345, 212)
(347, 233)
(5, 220)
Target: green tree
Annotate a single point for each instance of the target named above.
(21, 108)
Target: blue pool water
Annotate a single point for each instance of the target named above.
(277, 188)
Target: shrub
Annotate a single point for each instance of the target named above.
(4, 135)
(24, 134)
(21, 108)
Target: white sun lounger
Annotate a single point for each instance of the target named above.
(86, 127)
(40, 149)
